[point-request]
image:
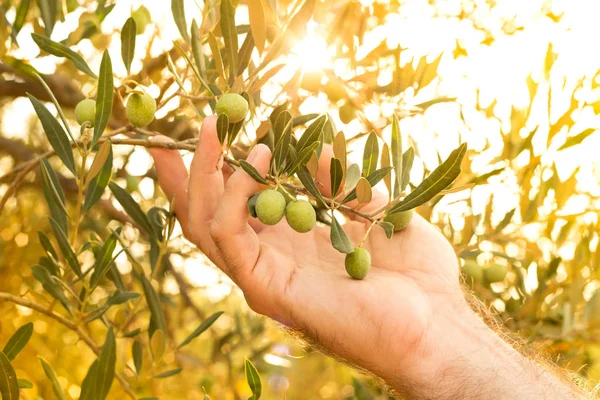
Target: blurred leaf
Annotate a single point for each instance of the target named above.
(443, 99)
(339, 240)
(388, 227)
(50, 265)
(105, 370)
(437, 181)
(158, 318)
(56, 388)
(575, 140)
(168, 373)
(257, 23)
(97, 185)
(335, 174)
(56, 135)
(250, 170)
(47, 245)
(18, 340)
(266, 77)
(308, 182)
(302, 158)
(88, 385)
(197, 52)
(397, 162)
(136, 351)
(245, 53)
(99, 160)
(282, 138)
(128, 34)
(132, 333)
(364, 192)
(370, 155)
(53, 194)
(311, 134)
(178, 11)
(65, 248)
(483, 178)
(216, 53)
(48, 10)
(121, 297)
(158, 344)
(427, 74)
(21, 15)
(201, 328)
(24, 384)
(104, 259)
(131, 207)
(59, 50)
(229, 36)
(505, 221)
(373, 180)
(104, 97)
(385, 163)
(303, 119)
(222, 128)
(43, 276)
(352, 176)
(253, 379)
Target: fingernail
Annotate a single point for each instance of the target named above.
(252, 154)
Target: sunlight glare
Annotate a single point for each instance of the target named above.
(311, 53)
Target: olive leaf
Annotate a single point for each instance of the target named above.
(168, 373)
(18, 340)
(257, 23)
(245, 53)
(158, 344)
(250, 170)
(43, 276)
(364, 193)
(137, 354)
(201, 328)
(407, 161)
(282, 138)
(339, 240)
(307, 181)
(222, 128)
(303, 119)
(311, 134)
(56, 388)
(105, 369)
(373, 180)
(370, 154)
(216, 53)
(56, 135)
(336, 173)
(388, 227)
(50, 265)
(48, 12)
(437, 181)
(128, 34)
(131, 207)
(53, 193)
(178, 11)
(47, 245)
(65, 248)
(396, 155)
(352, 176)
(104, 259)
(97, 185)
(87, 386)
(99, 161)
(24, 384)
(60, 50)
(157, 320)
(228, 29)
(385, 162)
(253, 379)
(302, 158)
(197, 49)
(575, 140)
(104, 97)
(121, 297)
(21, 15)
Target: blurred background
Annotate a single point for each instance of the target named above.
(516, 80)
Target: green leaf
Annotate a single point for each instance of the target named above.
(303, 119)
(56, 135)
(253, 379)
(87, 386)
(104, 259)
(137, 353)
(197, 49)
(282, 138)
(128, 34)
(131, 207)
(65, 248)
(50, 265)
(99, 161)
(250, 170)
(437, 181)
(105, 371)
(370, 154)
(168, 373)
(396, 150)
(48, 11)
(364, 192)
(352, 176)
(407, 161)
(307, 180)
(9, 387)
(98, 184)
(24, 384)
(47, 245)
(222, 128)
(312, 134)
(21, 15)
(373, 180)
(104, 98)
(245, 53)
(59, 50)
(54, 194)
(339, 240)
(42, 275)
(575, 140)
(388, 227)
(303, 158)
(132, 333)
(56, 388)
(229, 32)
(158, 318)
(18, 340)
(121, 297)
(336, 174)
(178, 11)
(201, 328)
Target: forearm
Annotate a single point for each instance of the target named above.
(462, 358)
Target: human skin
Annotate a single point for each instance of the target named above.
(407, 322)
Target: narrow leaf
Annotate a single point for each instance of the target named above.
(385, 162)
(352, 176)
(158, 344)
(245, 53)
(21, 15)
(311, 134)
(575, 140)
(105, 371)
(137, 353)
(250, 170)
(201, 328)
(60, 50)
(303, 158)
(307, 180)
(370, 154)
(339, 240)
(43, 276)
(407, 161)
(158, 318)
(388, 227)
(336, 173)
(9, 387)
(97, 185)
(282, 140)
(24, 384)
(18, 340)
(104, 259)
(303, 119)
(48, 11)
(222, 128)
(197, 49)
(56, 135)
(104, 98)
(216, 53)
(437, 181)
(99, 161)
(168, 373)
(257, 23)
(131, 207)
(65, 248)
(47, 245)
(364, 193)
(396, 154)
(122, 297)
(229, 32)
(88, 385)
(373, 180)
(253, 379)
(56, 388)
(128, 34)
(178, 11)
(53, 194)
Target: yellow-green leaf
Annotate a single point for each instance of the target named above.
(128, 34)
(178, 11)
(18, 340)
(257, 24)
(60, 50)
(104, 98)
(253, 379)
(364, 193)
(9, 387)
(229, 32)
(339, 240)
(99, 161)
(201, 328)
(56, 388)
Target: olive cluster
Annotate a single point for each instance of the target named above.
(475, 273)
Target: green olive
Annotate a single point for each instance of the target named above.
(85, 111)
(495, 273)
(140, 109)
(358, 263)
(270, 207)
(472, 271)
(400, 220)
(300, 215)
(347, 113)
(234, 106)
(335, 90)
